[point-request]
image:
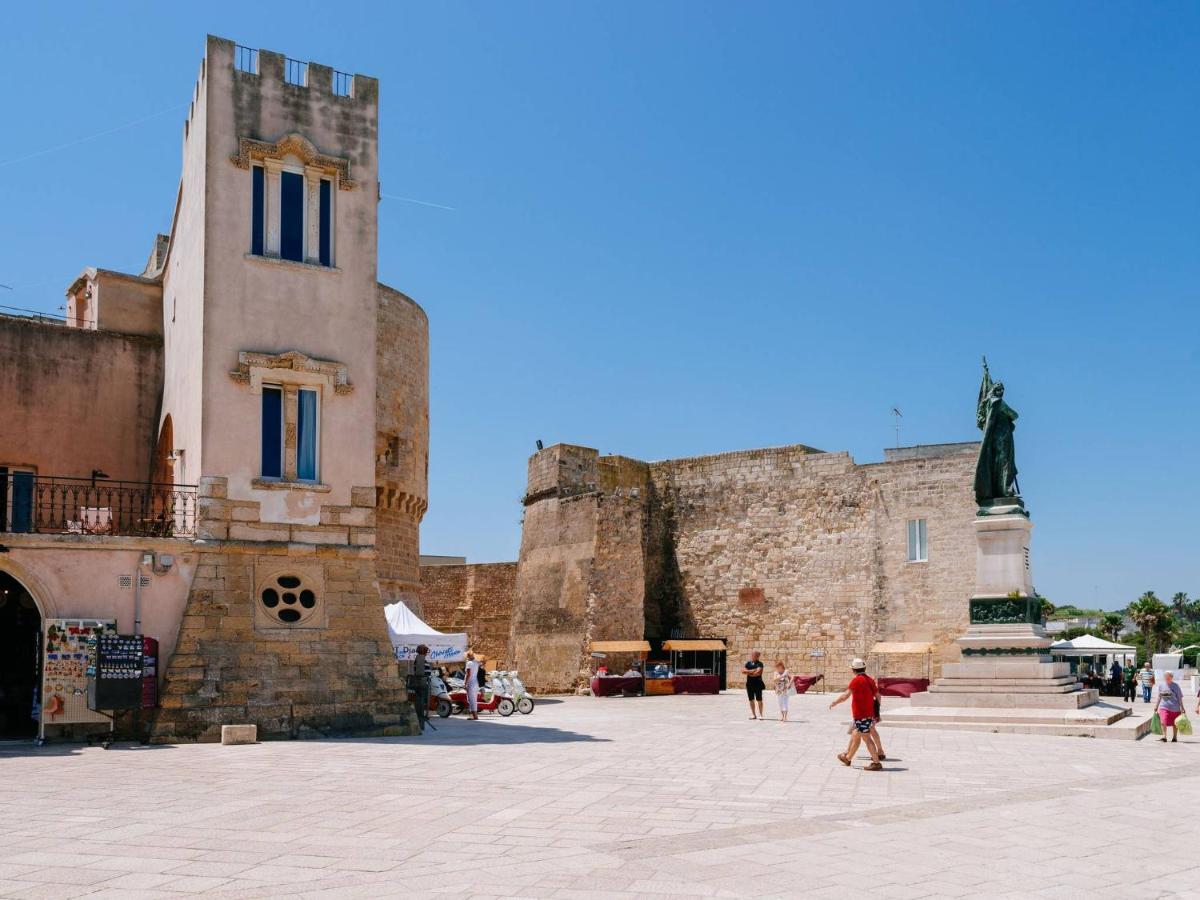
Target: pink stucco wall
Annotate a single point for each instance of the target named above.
(78, 577)
(73, 400)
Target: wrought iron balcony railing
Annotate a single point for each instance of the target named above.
(51, 504)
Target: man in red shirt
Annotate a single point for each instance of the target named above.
(862, 693)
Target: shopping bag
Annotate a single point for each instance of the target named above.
(1156, 724)
(1183, 725)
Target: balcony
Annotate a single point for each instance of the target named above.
(52, 504)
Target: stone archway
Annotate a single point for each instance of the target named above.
(21, 624)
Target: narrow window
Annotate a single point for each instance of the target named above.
(272, 432)
(306, 436)
(20, 515)
(918, 541)
(256, 210)
(291, 216)
(326, 218)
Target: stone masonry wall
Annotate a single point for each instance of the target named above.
(583, 567)
(332, 674)
(787, 550)
(401, 441)
(477, 599)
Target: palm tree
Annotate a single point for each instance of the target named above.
(1153, 619)
(1047, 608)
(1182, 607)
(1111, 625)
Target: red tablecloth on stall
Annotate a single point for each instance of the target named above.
(696, 684)
(804, 682)
(611, 685)
(902, 687)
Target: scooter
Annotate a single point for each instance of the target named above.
(491, 699)
(439, 697)
(515, 688)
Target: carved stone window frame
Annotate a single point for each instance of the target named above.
(292, 371)
(275, 158)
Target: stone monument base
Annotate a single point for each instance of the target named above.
(1099, 720)
(1007, 681)
(999, 688)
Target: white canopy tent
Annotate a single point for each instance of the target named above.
(407, 631)
(1090, 645)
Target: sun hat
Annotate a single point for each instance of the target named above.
(857, 663)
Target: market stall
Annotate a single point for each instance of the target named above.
(407, 631)
(695, 679)
(1097, 655)
(610, 685)
(911, 654)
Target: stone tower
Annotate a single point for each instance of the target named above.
(292, 380)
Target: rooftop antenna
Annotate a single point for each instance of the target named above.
(899, 416)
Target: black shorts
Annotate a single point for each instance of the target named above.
(754, 689)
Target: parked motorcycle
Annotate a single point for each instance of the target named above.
(491, 699)
(515, 688)
(439, 697)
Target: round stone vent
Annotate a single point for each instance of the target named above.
(289, 599)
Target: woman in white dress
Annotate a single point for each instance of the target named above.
(471, 680)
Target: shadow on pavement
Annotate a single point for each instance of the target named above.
(72, 748)
(464, 732)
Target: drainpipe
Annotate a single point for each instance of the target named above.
(137, 593)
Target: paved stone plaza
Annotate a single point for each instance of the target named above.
(663, 796)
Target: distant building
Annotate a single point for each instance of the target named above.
(234, 439)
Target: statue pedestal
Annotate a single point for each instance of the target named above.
(1007, 680)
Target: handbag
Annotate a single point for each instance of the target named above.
(1183, 725)
(1156, 724)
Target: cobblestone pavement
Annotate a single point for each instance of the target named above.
(664, 796)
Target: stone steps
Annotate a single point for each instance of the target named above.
(1125, 727)
(1005, 699)
(998, 685)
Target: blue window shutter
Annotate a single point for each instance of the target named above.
(256, 210)
(272, 432)
(291, 216)
(22, 501)
(306, 436)
(326, 222)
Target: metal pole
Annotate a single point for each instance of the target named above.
(137, 597)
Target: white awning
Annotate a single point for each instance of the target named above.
(407, 631)
(1087, 645)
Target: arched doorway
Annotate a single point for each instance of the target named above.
(20, 658)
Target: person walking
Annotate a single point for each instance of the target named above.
(471, 683)
(1114, 679)
(861, 692)
(1129, 683)
(1146, 680)
(1169, 706)
(784, 688)
(754, 683)
(420, 682)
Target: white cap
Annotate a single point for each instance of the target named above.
(857, 663)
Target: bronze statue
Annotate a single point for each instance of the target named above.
(996, 468)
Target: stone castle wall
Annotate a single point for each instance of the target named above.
(401, 442)
(790, 551)
(475, 598)
(787, 550)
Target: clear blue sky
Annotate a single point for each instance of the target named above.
(681, 228)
